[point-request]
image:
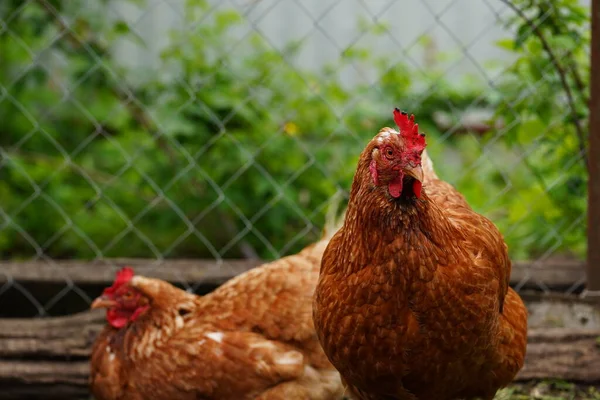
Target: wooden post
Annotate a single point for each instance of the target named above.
(593, 254)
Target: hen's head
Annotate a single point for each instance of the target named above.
(123, 303)
(395, 157)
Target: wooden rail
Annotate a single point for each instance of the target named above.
(553, 273)
(102, 272)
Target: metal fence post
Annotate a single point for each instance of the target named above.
(593, 253)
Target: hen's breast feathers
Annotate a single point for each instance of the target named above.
(106, 366)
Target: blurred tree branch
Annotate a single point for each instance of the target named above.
(563, 77)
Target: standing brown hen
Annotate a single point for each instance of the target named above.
(252, 338)
(413, 299)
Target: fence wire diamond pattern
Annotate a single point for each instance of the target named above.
(171, 129)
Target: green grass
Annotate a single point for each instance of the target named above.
(549, 390)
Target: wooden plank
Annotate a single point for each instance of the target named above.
(68, 337)
(530, 296)
(44, 379)
(562, 353)
(103, 271)
(552, 272)
(48, 358)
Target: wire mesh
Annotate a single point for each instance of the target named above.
(171, 129)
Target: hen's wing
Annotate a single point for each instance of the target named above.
(229, 365)
(510, 352)
(513, 340)
(456, 208)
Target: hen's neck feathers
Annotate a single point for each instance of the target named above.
(149, 333)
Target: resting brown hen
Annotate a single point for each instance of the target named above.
(252, 338)
(413, 299)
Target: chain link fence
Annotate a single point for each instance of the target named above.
(222, 130)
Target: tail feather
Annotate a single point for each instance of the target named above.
(333, 219)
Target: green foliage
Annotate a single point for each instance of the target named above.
(545, 108)
(227, 136)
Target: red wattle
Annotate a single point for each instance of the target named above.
(117, 318)
(417, 186)
(395, 186)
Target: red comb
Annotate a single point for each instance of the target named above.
(123, 276)
(409, 131)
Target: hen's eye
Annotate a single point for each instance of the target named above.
(389, 153)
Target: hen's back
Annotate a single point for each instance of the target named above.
(274, 299)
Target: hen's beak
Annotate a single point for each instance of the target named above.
(103, 302)
(416, 172)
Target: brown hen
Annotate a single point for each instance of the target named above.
(252, 338)
(413, 299)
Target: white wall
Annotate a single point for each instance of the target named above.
(465, 29)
